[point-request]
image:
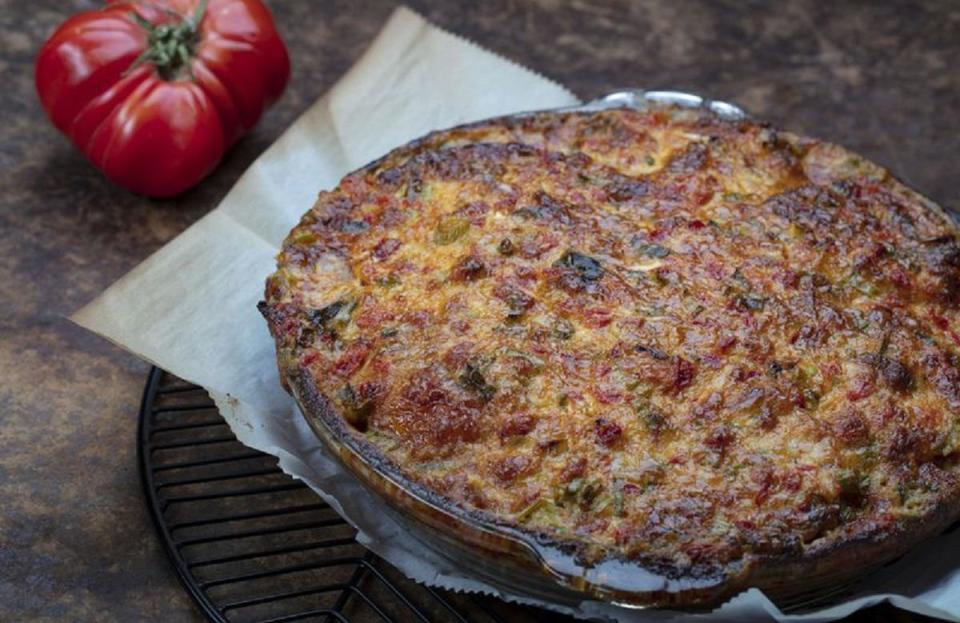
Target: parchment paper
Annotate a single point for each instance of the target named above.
(191, 307)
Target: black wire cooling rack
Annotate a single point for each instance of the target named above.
(252, 545)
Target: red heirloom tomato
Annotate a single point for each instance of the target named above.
(154, 92)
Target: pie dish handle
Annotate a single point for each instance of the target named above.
(640, 99)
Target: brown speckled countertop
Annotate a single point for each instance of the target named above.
(75, 541)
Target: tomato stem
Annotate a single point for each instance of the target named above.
(170, 46)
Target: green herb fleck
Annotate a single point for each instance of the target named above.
(811, 399)
(527, 512)
(473, 380)
(450, 229)
(388, 281)
(618, 502)
(587, 268)
(862, 285)
(563, 329)
(533, 360)
(808, 370)
(304, 237)
(750, 302)
(859, 320)
(653, 311)
(652, 418)
(654, 250)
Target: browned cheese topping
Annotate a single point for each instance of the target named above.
(647, 333)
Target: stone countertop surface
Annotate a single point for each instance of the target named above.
(75, 541)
